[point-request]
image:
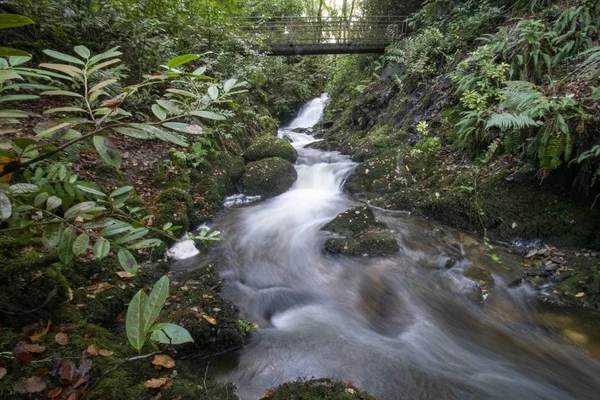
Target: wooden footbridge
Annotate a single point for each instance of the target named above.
(286, 36)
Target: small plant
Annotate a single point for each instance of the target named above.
(423, 128)
(143, 310)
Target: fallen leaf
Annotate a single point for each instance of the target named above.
(54, 393)
(35, 384)
(208, 319)
(35, 348)
(41, 333)
(92, 350)
(21, 354)
(61, 338)
(2, 372)
(106, 353)
(156, 383)
(163, 360)
(85, 367)
(125, 275)
(580, 294)
(67, 371)
(350, 391)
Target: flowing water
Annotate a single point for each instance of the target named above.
(403, 327)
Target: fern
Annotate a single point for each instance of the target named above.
(509, 121)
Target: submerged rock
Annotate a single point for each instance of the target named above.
(360, 234)
(317, 389)
(269, 177)
(269, 146)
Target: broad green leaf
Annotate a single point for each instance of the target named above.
(90, 190)
(102, 85)
(185, 128)
(53, 203)
(182, 93)
(82, 51)
(133, 132)
(81, 244)
(18, 97)
(208, 115)
(167, 226)
(65, 246)
(40, 199)
(180, 60)
(10, 52)
(64, 110)
(170, 334)
(5, 207)
(156, 301)
(70, 70)
(14, 21)
(169, 106)
(121, 190)
(172, 138)
(135, 324)
(12, 114)
(103, 56)
(63, 57)
(160, 112)
(24, 188)
(61, 93)
(116, 228)
(229, 85)
(134, 235)
(109, 153)
(23, 143)
(213, 92)
(101, 223)
(102, 65)
(144, 244)
(52, 235)
(101, 248)
(71, 134)
(7, 75)
(127, 261)
(80, 208)
(55, 128)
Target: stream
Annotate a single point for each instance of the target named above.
(402, 327)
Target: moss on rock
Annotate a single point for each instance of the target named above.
(317, 389)
(269, 177)
(270, 146)
(176, 206)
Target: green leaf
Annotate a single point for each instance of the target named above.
(109, 153)
(134, 133)
(128, 261)
(229, 84)
(103, 65)
(182, 93)
(64, 110)
(170, 334)
(103, 56)
(24, 188)
(53, 203)
(160, 112)
(5, 207)
(18, 97)
(134, 235)
(65, 246)
(63, 57)
(169, 106)
(10, 52)
(52, 235)
(101, 248)
(103, 84)
(61, 93)
(116, 228)
(82, 51)
(172, 138)
(14, 21)
(156, 301)
(80, 208)
(213, 92)
(40, 199)
(101, 223)
(208, 115)
(120, 191)
(144, 244)
(180, 60)
(70, 70)
(90, 190)
(185, 128)
(135, 324)
(12, 114)
(81, 244)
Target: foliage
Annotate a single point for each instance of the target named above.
(142, 313)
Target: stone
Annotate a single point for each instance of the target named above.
(270, 146)
(531, 253)
(269, 177)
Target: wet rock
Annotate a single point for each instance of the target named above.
(479, 274)
(551, 267)
(269, 177)
(326, 124)
(317, 389)
(531, 253)
(269, 146)
(353, 221)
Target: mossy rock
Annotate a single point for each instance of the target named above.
(176, 206)
(584, 277)
(270, 146)
(269, 177)
(360, 235)
(196, 305)
(376, 175)
(233, 166)
(317, 389)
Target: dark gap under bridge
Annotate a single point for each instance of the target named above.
(290, 36)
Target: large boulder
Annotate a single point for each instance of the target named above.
(270, 146)
(269, 177)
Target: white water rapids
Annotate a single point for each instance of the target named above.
(403, 327)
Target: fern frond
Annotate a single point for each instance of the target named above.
(507, 121)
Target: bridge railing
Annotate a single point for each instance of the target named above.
(378, 30)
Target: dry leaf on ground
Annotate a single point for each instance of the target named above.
(2, 372)
(156, 383)
(35, 348)
(43, 331)
(35, 384)
(61, 338)
(163, 360)
(105, 353)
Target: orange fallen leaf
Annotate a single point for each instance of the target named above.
(35, 384)
(92, 350)
(350, 391)
(54, 393)
(580, 294)
(41, 333)
(106, 353)
(208, 319)
(2, 372)
(61, 338)
(125, 275)
(35, 348)
(163, 360)
(156, 383)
